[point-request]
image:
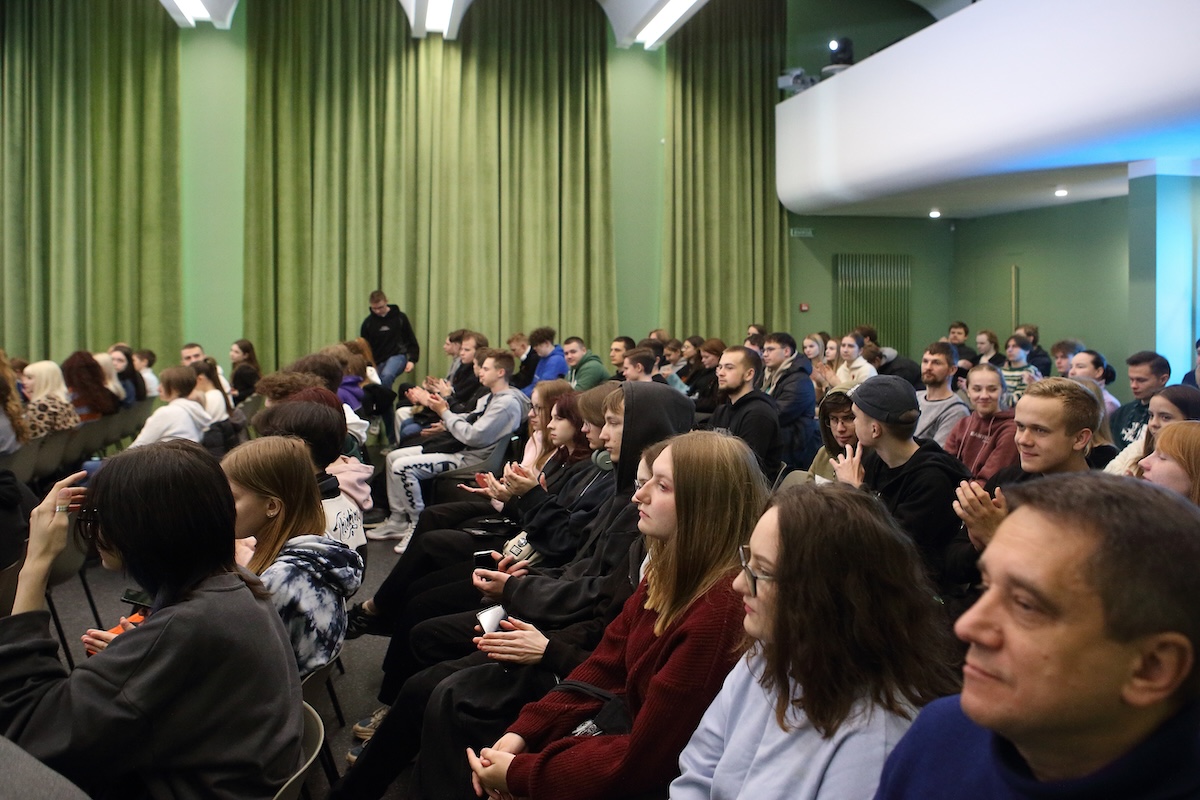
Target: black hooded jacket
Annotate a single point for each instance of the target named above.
(920, 496)
(796, 400)
(553, 598)
(755, 420)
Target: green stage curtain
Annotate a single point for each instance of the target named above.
(468, 179)
(725, 245)
(89, 176)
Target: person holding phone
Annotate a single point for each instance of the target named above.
(203, 698)
(828, 687)
(666, 653)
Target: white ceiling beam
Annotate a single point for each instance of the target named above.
(187, 13)
(995, 88)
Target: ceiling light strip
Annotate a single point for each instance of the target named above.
(661, 25)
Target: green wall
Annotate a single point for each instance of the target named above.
(212, 91)
(638, 117)
(930, 243)
(1073, 276)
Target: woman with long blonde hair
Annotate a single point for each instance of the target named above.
(308, 574)
(49, 406)
(666, 654)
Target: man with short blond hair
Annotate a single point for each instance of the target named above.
(526, 359)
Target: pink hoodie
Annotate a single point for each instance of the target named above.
(354, 479)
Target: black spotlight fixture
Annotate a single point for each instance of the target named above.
(841, 55)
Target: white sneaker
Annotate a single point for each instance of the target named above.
(391, 528)
(373, 428)
(402, 545)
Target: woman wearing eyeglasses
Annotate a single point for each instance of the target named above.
(664, 656)
(848, 641)
(200, 700)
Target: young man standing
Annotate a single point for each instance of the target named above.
(915, 480)
(748, 413)
(1080, 678)
(787, 380)
(390, 334)
(941, 408)
(1148, 375)
(497, 415)
(586, 371)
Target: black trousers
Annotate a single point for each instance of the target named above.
(439, 712)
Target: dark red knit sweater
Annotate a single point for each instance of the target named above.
(668, 682)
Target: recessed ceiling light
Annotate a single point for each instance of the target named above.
(934, 213)
(1061, 191)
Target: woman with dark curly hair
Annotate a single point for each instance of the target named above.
(13, 430)
(847, 642)
(85, 381)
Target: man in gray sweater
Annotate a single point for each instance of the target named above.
(941, 408)
(472, 437)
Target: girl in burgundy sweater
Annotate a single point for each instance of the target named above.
(667, 653)
(983, 441)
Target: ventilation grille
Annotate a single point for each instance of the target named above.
(874, 290)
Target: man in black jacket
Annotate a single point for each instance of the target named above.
(786, 379)
(746, 412)
(390, 334)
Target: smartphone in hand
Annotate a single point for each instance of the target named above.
(490, 618)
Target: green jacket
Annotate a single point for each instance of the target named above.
(587, 373)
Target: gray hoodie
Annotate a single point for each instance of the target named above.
(495, 417)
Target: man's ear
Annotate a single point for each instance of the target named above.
(1082, 439)
(1164, 661)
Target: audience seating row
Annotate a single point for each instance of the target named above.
(48, 455)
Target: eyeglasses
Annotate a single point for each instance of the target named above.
(87, 523)
(752, 577)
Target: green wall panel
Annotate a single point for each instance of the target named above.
(930, 243)
(212, 92)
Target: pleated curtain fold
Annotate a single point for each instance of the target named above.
(725, 244)
(467, 179)
(89, 176)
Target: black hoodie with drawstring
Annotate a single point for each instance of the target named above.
(553, 598)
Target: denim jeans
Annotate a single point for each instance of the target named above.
(391, 369)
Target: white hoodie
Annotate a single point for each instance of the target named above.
(179, 419)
